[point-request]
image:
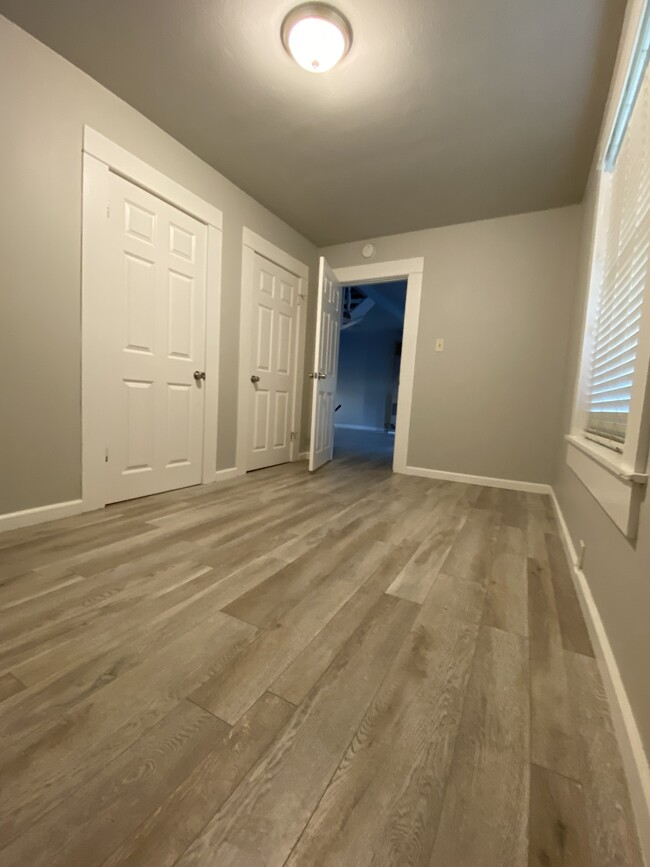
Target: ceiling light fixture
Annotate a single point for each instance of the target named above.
(317, 36)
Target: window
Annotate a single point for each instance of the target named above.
(610, 422)
(615, 340)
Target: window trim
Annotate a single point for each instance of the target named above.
(615, 479)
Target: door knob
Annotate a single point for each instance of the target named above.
(199, 374)
(255, 378)
(322, 376)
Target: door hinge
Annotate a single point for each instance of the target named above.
(108, 210)
(106, 456)
(293, 436)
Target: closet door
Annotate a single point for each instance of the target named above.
(272, 364)
(157, 344)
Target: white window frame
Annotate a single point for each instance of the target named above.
(615, 478)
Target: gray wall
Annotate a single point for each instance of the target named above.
(365, 376)
(617, 570)
(44, 104)
(501, 293)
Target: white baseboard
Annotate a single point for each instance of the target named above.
(224, 475)
(634, 758)
(38, 515)
(486, 481)
(303, 456)
(359, 427)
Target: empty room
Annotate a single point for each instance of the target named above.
(324, 435)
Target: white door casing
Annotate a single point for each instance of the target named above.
(101, 159)
(157, 281)
(326, 362)
(412, 271)
(272, 366)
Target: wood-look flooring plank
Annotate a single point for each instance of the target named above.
(553, 736)
(39, 532)
(613, 838)
(575, 636)
(513, 510)
(77, 541)
(472, 551)
(51, 659)
(266, 604)
(452, 597)
(112, 554)
(535, 535)
(261, 821)
(32, 585)
(303, 673)
(53, 649)
(117, 589)
(100, 663)
(273, 518)
(417, 576)
(383, 803)
(558, 823)
(9, 685)
(364, 515)
(491, 499)
(121, 794)
(507, 597)
(234, 690)
(168, 831)
(485, 812)
(42, 769)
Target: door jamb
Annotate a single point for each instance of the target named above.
(411, 270)
(253, 243)
(100, 157)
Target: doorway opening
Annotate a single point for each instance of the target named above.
(324, 375)
(370, 353)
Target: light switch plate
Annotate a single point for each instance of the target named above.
(440, 344)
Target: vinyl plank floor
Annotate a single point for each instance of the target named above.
(558, 821)
(484, 817)
(345, 669)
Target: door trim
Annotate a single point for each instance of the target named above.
(100, 157)
(253, 243)
(411, 270)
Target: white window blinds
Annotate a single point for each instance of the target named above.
(627, 234)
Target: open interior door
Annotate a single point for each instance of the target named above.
(326, 362)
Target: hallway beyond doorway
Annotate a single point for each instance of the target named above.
(364, 445)
(370, 357)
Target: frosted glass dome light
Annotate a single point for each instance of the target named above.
(316, 36)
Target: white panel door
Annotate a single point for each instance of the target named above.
(157, 343)
(272, 364)
(326, 363)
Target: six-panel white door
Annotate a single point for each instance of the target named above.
(272, 364)
(156, 343)
(326, 363)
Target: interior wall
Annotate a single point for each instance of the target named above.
(44, 104)
(617, 570)
(365, 375)
(500, 293)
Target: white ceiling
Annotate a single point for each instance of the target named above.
(444, 111)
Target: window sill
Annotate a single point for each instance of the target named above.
(616, 489)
